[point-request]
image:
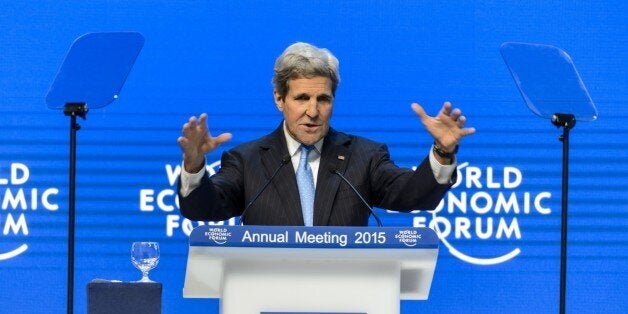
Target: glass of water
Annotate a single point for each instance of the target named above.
(145, 256)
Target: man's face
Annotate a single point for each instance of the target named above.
(307, 108)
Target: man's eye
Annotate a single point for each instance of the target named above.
(324, 99)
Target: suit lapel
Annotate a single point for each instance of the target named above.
(335, 155)
(272, 152)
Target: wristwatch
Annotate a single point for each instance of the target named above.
(440, 152)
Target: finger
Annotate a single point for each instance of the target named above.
(186, 129)
(461, 121)
(468, 131)
(202, 123)
(190, 131)
(184, 143)
(446, 109)
(213, 142)
(419, 111)
(455, 114)
(224, 137)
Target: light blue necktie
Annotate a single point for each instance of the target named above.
(305, 180)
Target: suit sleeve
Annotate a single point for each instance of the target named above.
(220, 197)
(402, 189)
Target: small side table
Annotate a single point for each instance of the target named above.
(124, 297)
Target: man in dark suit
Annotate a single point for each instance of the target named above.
(296, 172)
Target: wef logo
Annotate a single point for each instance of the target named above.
(488, 208)
(16, 203)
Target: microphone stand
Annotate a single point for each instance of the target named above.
(371, 210)
(567, 122)
(72, 110)
(284, 161)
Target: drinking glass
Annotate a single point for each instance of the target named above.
(145, 256)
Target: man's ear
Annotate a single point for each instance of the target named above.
(278, 100)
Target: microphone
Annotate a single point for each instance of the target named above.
(284, 161)
(379, 222)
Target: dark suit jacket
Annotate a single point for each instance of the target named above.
(366, 164)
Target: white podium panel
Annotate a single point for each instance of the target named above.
(255, 269)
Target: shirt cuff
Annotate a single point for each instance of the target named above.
(442, 173)
(190, 181)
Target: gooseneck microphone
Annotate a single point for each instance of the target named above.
(284, 161)
(379, 222)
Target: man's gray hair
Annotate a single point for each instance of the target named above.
(304, 60)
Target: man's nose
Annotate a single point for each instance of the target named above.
(312, 109)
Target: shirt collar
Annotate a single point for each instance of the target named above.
(294, 145)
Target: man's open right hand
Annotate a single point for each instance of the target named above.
(196, 141)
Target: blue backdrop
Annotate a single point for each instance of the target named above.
(500, 226)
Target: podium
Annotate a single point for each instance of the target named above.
(261, 269)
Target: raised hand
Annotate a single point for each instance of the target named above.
(196, 141)
(447, 127)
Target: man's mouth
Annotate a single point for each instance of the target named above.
(310, 127)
